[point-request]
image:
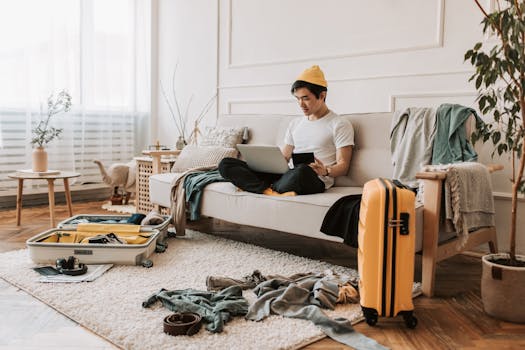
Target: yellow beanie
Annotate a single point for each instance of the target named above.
(313, 75)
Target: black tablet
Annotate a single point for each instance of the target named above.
(299, 158)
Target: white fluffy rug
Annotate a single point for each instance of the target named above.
(125, 208)
(111, 306)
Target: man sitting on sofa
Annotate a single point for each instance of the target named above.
(321, 131)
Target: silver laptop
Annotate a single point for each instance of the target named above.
(262, 158)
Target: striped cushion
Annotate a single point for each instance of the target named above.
(193, 156)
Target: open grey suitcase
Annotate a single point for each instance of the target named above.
(43, 248)
(72, 222)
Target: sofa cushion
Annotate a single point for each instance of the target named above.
(297, 214)
(262, 129)
(302, 215)
(227, 137)
(196, 156)
(371, 155)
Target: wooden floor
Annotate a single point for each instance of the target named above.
(454, 319)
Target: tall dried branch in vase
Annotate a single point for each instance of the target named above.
(180, 119)
(174, 107)
(43, 132)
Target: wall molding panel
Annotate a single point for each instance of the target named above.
(435, 41)
(432, 99)
(355, 79)
(260, 106)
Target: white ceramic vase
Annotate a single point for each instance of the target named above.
(181, 142)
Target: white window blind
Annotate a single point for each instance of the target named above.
(99, 52)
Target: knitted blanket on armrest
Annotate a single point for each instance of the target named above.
(469, 202)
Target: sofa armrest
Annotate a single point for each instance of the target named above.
(441, 175)
(494, 167)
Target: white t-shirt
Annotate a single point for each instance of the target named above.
(322, 137)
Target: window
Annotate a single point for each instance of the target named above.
(99, 52)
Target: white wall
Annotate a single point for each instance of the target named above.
(377, 56)
(187, 37)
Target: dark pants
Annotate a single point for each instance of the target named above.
(302, 179)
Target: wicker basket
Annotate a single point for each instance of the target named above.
(144, 171)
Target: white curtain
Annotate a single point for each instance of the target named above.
(99, 51)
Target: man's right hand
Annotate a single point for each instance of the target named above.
(287, 151)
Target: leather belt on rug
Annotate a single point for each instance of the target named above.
(186, 323)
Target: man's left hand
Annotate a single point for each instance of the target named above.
(318, 167)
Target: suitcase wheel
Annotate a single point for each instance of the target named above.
(410, 319)
(370, 315)
(160, 247)
(147, 263)
(171, 233)
(371, 321)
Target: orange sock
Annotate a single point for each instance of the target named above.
(270, 192)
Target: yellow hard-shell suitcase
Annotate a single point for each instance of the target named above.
(386, 251)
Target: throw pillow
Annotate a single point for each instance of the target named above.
(227, 137)
(193, 156)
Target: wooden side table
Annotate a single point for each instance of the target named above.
(152, 163)
(157, 158)
(65, 175)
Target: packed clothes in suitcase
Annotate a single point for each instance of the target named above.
(386, 251)
(156, 222)
(95, 244)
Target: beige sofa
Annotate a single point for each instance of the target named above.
(304, 214)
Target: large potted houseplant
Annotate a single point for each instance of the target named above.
(43, 132)
(500, 81)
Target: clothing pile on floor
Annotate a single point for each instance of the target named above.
(303, 295)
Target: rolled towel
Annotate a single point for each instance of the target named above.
(153, 218)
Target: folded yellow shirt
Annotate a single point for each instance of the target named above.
(101, 228)
(129, 233)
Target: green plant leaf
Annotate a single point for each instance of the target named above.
(482, 102)
(496, 136)
(479, 80)
(501, 148)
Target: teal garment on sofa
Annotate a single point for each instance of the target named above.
(194, 184)
(451, 144)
